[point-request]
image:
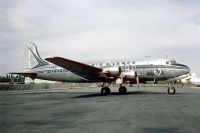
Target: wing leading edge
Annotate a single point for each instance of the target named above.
(78, 68)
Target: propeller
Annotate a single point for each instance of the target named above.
(119, 79)
(121, 76)
(137, 78)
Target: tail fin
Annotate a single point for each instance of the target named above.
(34, 60)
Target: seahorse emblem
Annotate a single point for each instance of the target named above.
(158, 72)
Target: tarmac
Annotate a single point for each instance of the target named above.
(84, 110)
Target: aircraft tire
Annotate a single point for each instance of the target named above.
(105, 91)
(171, 90)
(122, 90)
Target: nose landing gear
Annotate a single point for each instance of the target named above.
(171, 89)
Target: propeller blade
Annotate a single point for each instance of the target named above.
(137, 80)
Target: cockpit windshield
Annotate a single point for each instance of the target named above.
(172, 61)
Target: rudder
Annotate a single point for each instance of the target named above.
(34, 60)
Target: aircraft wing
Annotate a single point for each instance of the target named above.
(26, 74)
(78, 68)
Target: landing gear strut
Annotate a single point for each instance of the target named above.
(171, 89)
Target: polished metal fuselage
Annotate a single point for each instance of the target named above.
(146, 72)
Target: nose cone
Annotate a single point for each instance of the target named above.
(185, 68)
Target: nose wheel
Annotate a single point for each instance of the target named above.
(171, 90)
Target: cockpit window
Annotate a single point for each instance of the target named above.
(172, 61)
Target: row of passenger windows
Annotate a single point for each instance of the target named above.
(128, 67)
(128, 63)
(55, 71)
(114, 64)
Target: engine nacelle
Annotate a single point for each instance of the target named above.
(112, 71)
(130, 75)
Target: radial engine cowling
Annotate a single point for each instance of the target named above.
(130, 75)
(112, 71)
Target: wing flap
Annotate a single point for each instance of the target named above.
(78, 68)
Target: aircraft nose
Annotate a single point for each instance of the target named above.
(187, 69)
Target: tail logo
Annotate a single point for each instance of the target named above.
(33, 49)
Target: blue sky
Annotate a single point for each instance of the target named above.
(96, 30)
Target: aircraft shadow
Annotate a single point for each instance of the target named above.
(117, 94)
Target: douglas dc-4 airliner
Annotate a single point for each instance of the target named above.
(121, 72)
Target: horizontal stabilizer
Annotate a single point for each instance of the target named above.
(78, 68)
(30, 75)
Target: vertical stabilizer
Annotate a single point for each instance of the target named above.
(32, 58)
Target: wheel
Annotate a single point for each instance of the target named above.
(105, 91)
(171, 90)
(122, 89)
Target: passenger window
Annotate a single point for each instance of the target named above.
(48, 71)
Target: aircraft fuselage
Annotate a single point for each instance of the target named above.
(146, 72)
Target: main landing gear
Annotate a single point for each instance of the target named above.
(122, 89)
(171, 89)
(106, 90)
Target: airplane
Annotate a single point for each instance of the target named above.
(191, 79)
(121, 72)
